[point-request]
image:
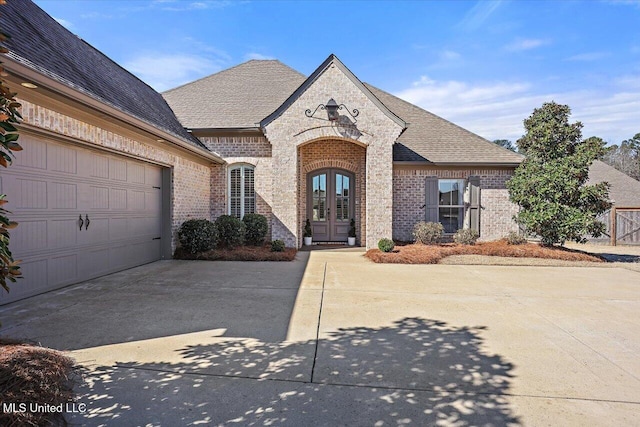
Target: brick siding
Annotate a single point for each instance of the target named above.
(409, 198)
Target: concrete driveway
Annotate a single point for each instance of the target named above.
(332, 339)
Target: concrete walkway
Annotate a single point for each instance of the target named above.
(332, 339)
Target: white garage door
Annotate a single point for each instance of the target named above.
(81, 214)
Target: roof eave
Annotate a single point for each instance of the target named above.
(41, 79)
(457, 164)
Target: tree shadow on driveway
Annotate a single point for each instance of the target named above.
(416, 371)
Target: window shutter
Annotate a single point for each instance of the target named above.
(431, 203)
(249, 191)
(474, 203)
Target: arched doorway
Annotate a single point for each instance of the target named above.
(330, 204)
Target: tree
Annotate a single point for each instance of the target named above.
(9, 115)
(505, 143)
(550, 184)
(625, 157)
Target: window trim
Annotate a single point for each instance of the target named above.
(242, 167)
(462, 223)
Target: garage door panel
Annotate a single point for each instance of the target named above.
(63, 195)
(31, 235)
(35, 281)
(63, 233)
(136, 173)
(135, 200)
(63, 270)
(152, 176)
(33, 154)
(51, 185)
(117, 169)
(30, 194)
(62, 158)
(93, 263)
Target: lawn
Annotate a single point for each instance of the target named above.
(432, 254)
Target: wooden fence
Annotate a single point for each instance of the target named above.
(623, 226)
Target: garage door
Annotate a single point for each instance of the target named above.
(81, 213)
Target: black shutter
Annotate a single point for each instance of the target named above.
(474, 203)
(432, 196)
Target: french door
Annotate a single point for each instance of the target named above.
(330, 204)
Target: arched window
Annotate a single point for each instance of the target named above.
(242, 193)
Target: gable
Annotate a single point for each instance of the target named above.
(330, 62)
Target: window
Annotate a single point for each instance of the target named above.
(451, 204)
(242, 194)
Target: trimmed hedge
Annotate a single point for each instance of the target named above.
(257, 228)
(231, 231)
(466, 237)
(277, 246)
(198, 235)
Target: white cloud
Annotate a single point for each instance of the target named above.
(449, 55)
(496, 110)
(525, 44)
(478, 14)
(587, 57)
(165, 71)
(67, 24)
(254, 55)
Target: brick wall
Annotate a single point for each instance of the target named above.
(247, 150)
(292, 129)
(191, 192)
(334, 154)
(409, 197)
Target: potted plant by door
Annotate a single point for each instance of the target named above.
(308, 233)
(352, 233)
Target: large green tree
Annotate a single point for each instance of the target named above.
(550, 184)
(505, 143)
(9, 116)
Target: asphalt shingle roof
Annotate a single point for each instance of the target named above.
(242, 96)
(42, 44)
(624, 191)
(238, 97)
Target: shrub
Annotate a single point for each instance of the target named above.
(277, 246)
(514, 238)
(466, 237)
(307, 229)
(352, 228)
(386, 245)
(230, 231)
(428, 233)
(198, 235)
(257, 228)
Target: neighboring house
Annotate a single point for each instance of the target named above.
(109, 172)
(624, 191)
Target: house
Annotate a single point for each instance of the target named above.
(110, 168)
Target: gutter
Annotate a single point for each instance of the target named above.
(43, 80)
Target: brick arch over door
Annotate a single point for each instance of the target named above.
(333, 154)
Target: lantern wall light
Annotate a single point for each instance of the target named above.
(333, 111)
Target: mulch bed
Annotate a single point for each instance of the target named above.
(432, 254)
(242, 253)
(34, 374)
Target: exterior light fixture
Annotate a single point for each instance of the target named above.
(333, 111)
(28, 85)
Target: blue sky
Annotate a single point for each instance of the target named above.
(483, 65)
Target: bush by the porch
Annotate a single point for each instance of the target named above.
(231, 231)
(198, 235)
(256, 229)
(428, 233)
